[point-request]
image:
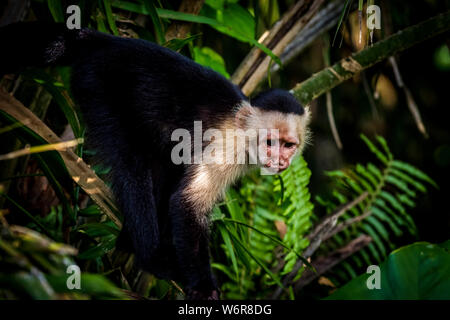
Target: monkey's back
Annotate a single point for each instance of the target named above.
(145, 83)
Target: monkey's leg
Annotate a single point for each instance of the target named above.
(190, 239)
(133, 187)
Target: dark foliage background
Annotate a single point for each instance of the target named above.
(258, 240)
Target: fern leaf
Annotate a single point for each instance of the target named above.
(407, 179)
(375, 150)
(413, 171)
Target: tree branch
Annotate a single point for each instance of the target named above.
(328, 224)
(341, 226)
(329, 78)
(323, 264)
(320, 232)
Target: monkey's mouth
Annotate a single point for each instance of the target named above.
(276, 168)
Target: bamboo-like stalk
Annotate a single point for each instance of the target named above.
(254, 67)
(321, 22)
(345, 69)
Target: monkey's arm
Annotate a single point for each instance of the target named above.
(191, 239)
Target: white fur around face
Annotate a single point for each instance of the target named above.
(208, 181)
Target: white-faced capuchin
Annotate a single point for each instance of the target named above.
(133, 95)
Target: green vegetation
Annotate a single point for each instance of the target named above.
(272, 236)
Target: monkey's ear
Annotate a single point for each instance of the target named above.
(242, 116)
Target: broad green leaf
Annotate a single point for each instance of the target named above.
(209, 58)
(236, 22)
(415, 272)
(215, 4)
(176, 15)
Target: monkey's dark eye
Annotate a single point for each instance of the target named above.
(271, 142)
(289, 145)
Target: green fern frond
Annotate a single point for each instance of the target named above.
(393, 186)
(297, 208)
(246, 223)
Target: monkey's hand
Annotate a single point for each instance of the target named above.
(192, 294)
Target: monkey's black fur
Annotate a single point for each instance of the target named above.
(133, 94)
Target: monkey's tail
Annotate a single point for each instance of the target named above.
(39, 44)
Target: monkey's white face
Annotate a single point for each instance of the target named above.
(280, 136)
(280, 149)
(286, 134)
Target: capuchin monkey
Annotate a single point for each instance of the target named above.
(133, 95)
